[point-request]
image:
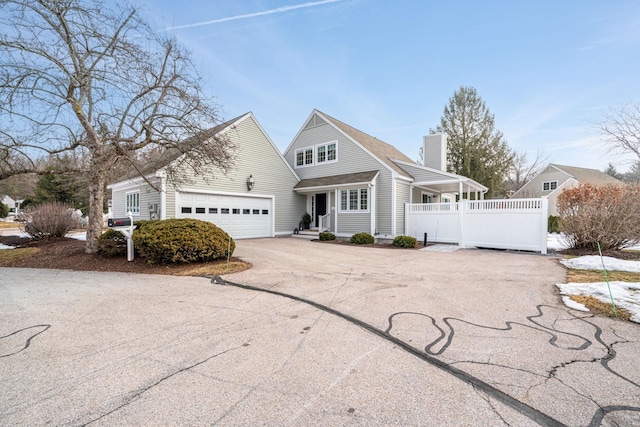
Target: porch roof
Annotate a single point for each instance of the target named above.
(333, 181)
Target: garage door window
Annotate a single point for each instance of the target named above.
(200, 210)
(186, 210)
(213, 210)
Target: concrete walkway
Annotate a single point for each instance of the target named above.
(343, 336)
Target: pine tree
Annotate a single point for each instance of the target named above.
(475, 149)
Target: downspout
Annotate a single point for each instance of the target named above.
(163, 197)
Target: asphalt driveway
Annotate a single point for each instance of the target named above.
(319, 334)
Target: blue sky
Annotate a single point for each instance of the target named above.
(548, 70)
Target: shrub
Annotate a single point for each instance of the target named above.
(112, 243)
(181, 241)
(4, 210)
(606, 214)
(405, 242)
(53, 219)
(362, 239)
(325, 235)
(553, 224)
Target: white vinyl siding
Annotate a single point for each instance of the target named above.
(255, 156)
(402, 196)
(147, 195)
(350, 159)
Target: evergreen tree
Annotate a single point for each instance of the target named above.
(611, 171)
(475, 149)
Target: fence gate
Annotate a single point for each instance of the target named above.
(519, 224)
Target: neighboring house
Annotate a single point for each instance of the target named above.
(354, 182)
(348, 181)
(266, 208)
(553, 179)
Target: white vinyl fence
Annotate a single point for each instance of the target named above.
(519, 224)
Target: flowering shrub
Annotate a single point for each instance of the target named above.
(608, 214)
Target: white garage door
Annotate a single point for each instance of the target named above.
(241, 217)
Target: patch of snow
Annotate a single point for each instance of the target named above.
(573, 304)
(556, 242)
(6, 247)
(594, 262)
(78, 236)
(625, 295)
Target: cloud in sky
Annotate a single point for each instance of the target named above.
(281, 9)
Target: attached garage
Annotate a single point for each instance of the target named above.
(243, 217)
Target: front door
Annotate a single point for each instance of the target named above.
(321, 207)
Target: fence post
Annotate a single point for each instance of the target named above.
(462, 207)
(544, 214)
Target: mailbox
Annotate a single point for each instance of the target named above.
(119, 222)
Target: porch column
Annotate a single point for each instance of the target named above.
(460, 191)
(337, 208)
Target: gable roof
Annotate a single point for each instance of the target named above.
(585, 175)
(380, 149)
(172, 153)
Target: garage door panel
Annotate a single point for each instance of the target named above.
(241, 217)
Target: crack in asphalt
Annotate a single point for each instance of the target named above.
(521, 407)
(143, 390)
(27, 341)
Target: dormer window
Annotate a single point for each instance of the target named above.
(549, 185)
(317, 155)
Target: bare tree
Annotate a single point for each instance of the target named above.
(82, 78)
(523, 170)
(621, 127)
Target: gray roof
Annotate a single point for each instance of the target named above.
(590, 176)
(337, 180)
(172, 153)
(383, 151)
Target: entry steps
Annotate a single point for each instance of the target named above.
(311, 234)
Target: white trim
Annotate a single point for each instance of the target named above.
(372, 204)
(163, 197)
(325, 144)
(131, 183)
(273, 145)
(355, 211)
(329, 187)
(302, 128)
(223, 193)
(126, 202)
(373, 156)
(304, 157)
(272, 199)
(393, 206)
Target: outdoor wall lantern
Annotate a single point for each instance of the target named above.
(250, 183)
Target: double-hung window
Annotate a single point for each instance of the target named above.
(354, 200)
(326, 153)
(317, 155)
(304, 157)
(132, 203)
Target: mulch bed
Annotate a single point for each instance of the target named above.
(69, 254)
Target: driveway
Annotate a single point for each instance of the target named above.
(318, 334)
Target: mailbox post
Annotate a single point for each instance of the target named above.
(124, 226)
